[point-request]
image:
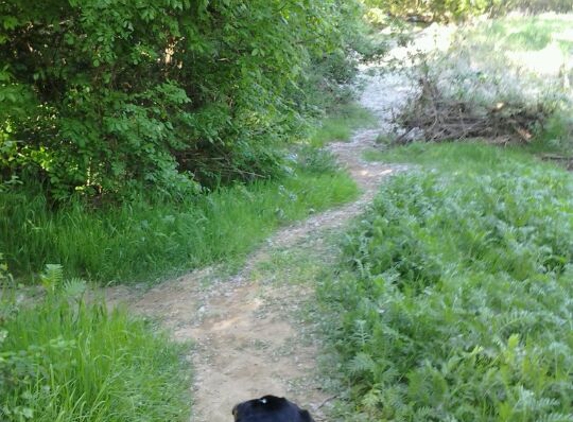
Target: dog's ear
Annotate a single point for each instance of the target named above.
(305, 416)
(235, 412)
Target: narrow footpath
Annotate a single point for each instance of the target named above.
(247, 340)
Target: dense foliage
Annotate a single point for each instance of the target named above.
(457, 303)
(67, 359)
(108, 97)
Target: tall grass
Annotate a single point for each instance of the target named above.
(455, 293)
(64, 360)
(143, 242)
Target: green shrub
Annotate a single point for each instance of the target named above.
(64, 359)
(106, 97)
(457, 292)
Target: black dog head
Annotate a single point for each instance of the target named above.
(270, 409)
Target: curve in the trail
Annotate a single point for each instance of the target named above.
(246, 343)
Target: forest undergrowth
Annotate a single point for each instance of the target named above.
(505, 80)
(65, 358)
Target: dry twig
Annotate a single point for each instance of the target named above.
(440, 119)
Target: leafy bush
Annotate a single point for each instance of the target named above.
(67, 360)
(106, 97)
(456, 294)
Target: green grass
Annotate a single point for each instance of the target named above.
(522, 33)
(457, 156)
(455, 291)
(454, 156)
(556, 136)
(144, 242)
(340, 124)
(64, 360)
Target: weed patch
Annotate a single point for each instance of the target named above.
(62, 359)
(455, 292)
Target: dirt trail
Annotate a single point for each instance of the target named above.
(246, 341)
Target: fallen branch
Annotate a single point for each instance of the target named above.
(321, 405)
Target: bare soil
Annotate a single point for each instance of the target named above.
(246, 339)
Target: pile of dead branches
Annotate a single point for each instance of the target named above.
(433, 117)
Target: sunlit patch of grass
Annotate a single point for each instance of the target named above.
(523, 33)
(526, 46)
(454, 291)
(477, 156)
(302, 264)
(374, 155)
(340, 123)
(454, 156)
